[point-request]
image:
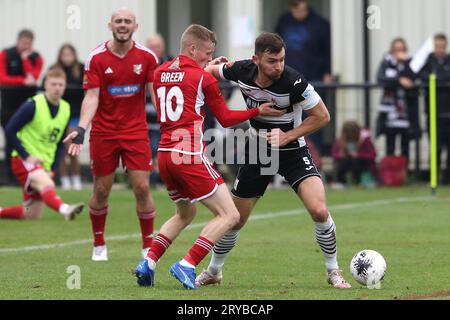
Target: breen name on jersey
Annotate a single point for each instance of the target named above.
(172, 77)
(291, 92)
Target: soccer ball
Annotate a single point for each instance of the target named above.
(368, 268)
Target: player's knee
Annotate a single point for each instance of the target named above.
(101, 193)
(233, 219)
(185, 219)
(319, 213)
(141, 189)
(50, 184)
(43, 185)
(241, 223)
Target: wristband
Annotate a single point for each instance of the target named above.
(79, 139)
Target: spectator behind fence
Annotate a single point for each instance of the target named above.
(393, 117)
(308, 47)
(157, 44)
(439, 63)
(20, 67)
(354, 153)
(73, 68)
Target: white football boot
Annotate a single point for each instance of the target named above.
(100, 253)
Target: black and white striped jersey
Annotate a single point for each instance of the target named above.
(292, 92)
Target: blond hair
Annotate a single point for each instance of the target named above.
(56, 72)
(196, 33)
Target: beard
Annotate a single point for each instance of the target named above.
(120, 39)
(273, 76)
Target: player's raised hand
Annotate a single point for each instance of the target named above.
(278, 138)
(76, 139)
(266, 109)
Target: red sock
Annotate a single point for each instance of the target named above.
(51, 199)
(98, 220)
(199, 251)
(159, 246)
(146, 220)
(16, 213)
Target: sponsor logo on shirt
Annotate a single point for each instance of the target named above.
(127, 90)
(307, 93)
(137, 68)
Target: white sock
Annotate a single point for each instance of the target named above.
(184, 263)
(326, 238)
(76, 182)
(63, 208)
(151, 263)
(221, 250)
(65, 182)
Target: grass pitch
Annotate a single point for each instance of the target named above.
(276, 256)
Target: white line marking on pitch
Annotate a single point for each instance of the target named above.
(263, 216)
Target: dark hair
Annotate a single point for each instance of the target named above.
(351, 131)
(294, 3)
(75, 68)
(25, 33)
(269, 42)
(440, 36)
(393, 42)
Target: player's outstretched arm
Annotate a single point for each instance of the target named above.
(214, 66)
(318, 117)
(88, 110)
(267, 110)
(227, 117)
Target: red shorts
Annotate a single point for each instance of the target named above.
(105, 155)
(192, 180)
(22, 170)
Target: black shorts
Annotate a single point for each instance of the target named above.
(294, 165)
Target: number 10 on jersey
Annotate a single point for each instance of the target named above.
(165, 102)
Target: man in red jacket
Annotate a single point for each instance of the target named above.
(20, 67)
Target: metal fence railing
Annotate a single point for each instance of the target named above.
(357, 109)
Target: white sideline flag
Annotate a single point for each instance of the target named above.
(421, 56)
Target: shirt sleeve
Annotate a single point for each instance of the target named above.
(303, 94)
(153, 64)
(36, 69)
(5, 78)
(22, 116)
(387, 77)
(231, 73)
(91, 76)
(219, 108)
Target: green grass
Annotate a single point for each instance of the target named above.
(276, 257)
